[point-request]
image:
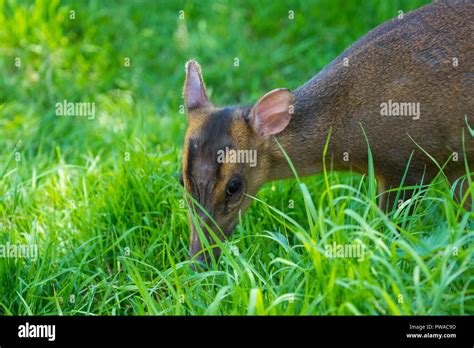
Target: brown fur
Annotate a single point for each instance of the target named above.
(403, 60)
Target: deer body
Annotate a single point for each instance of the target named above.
(408, 84)
(406, 60)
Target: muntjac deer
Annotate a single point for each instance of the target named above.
(408, 84)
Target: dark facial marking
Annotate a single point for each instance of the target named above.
(203, 148)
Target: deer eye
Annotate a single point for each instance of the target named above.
(233, 187)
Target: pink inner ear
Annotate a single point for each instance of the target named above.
(272, 112)
(194, 90)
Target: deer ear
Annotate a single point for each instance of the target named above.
(272, 113)
(195, 95)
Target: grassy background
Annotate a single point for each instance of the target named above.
(113, 233)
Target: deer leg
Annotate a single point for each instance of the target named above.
(389, 200)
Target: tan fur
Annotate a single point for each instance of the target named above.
(403, 60)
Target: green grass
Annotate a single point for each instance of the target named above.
(102, 201)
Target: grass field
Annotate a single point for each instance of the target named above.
(100, 197)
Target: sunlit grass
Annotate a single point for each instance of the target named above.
(101, 200)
